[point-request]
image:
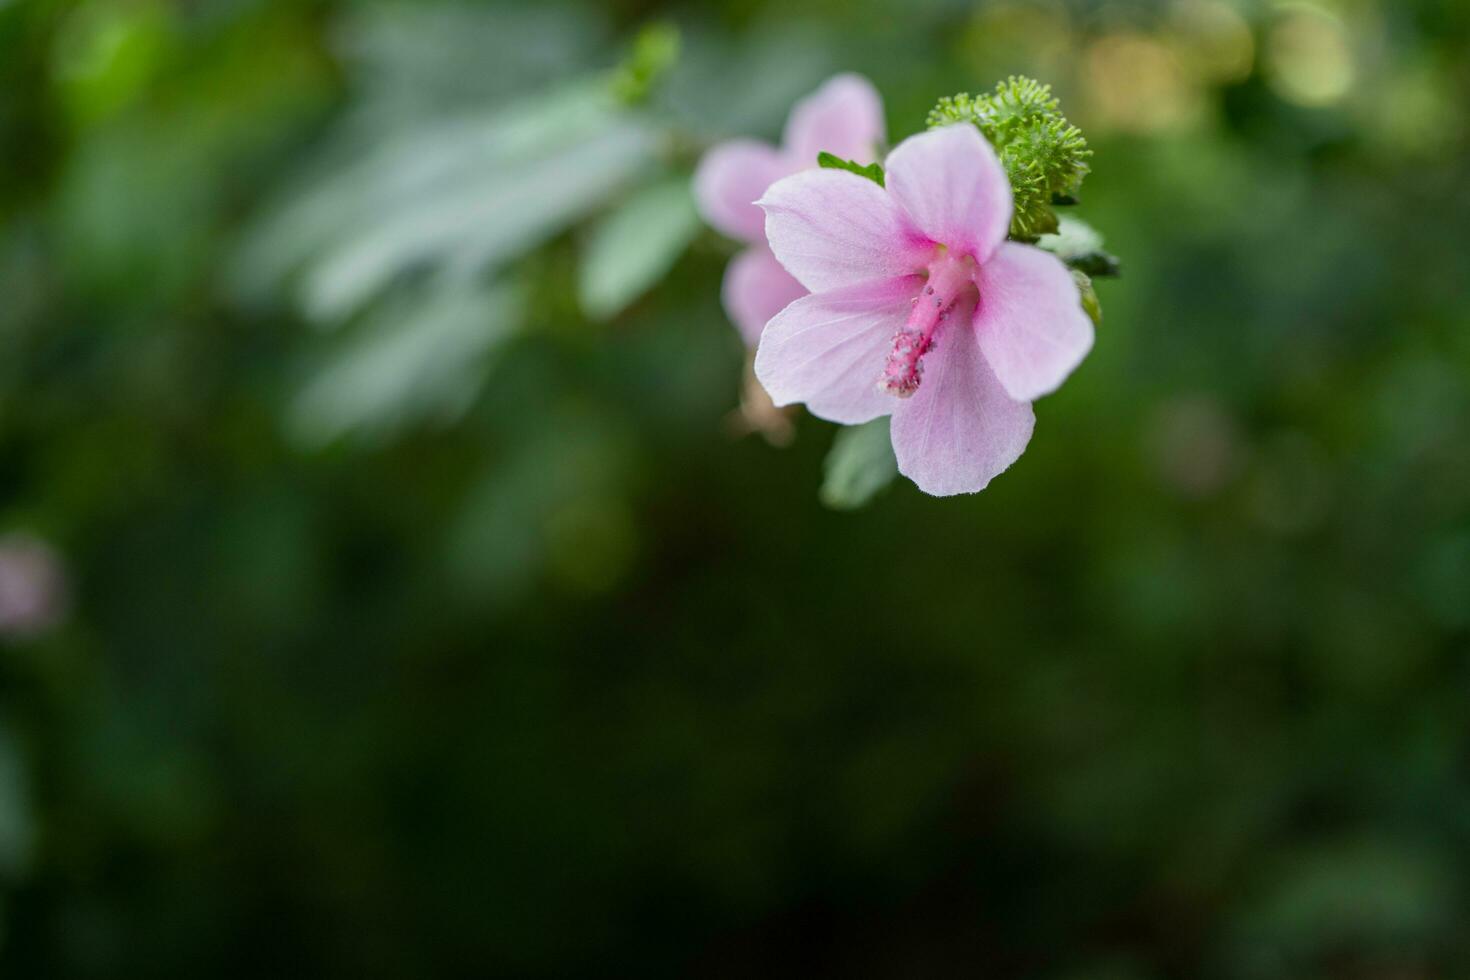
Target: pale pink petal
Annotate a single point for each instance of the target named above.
(730, 179)
(953, 189)
(828, 349)
(960, 429)
(756, 289)
(1030, 322)
(843, 117)
(832, 228)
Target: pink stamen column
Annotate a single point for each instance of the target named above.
(951, 278)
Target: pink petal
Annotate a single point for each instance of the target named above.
(831, 228)
(960, 429)
(953, 189)
(827, 349)
(756, 289)
(843, 117)
(730, 179)
(1030, 322)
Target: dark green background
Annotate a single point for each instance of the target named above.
(578, 684)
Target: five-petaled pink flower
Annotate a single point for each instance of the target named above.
(843, 117)
(920, 308)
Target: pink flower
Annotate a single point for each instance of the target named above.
(920, 308)
(843, 117)
(32, 586)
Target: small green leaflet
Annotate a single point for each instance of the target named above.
(1080, 246)
(873, 171)
(858, 466)
(1090, 305)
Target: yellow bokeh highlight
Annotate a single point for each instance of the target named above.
(1212, 39)
(1031, 37)
(1309, 56)
(1135, 83)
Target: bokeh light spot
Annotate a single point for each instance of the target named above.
(1213, 40)
(1136, 83)
(1309, 56)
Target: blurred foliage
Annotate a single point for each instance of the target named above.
(364, 367)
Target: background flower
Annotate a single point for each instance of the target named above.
(843, 117)
(32, 586)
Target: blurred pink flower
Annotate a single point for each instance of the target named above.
(843, 117)
(32, 586)
(920, 308)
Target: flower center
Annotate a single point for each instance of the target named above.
(951, 279)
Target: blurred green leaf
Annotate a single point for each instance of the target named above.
(859, 465)
(105, 53)
(1364, 898)
(776, 64)
(17, 833)
(633, 247)
(468, 193)
(422, 356)
(412, 59)
(490, 217)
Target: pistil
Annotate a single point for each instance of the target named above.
(950, 279)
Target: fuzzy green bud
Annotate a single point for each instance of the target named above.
(1044, 156)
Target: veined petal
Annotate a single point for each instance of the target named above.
(960, 429)
(756, 289)
(827, 349)
(952, 188)
(831, 228)
(731, 177)
(1030, 322)
(843, 117)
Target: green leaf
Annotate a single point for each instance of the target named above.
(17, 826)
(634, 246)
(873, 171)
(1080, 246)
(858, 466)
(458, 195)
(421, 357)
(1090, 304)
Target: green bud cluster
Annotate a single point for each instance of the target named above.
(1044, 156)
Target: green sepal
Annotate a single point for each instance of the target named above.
(1090, 304)
(873, 171)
